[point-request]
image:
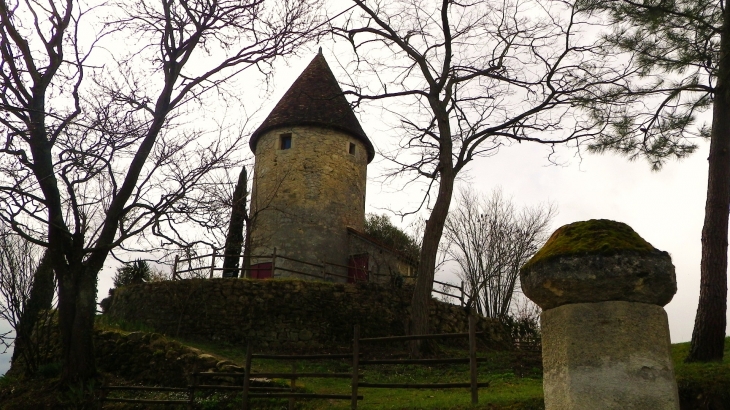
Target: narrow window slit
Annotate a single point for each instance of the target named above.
(285, 141)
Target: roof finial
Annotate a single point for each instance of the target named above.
(320, 50)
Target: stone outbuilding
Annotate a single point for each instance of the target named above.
(308, 197)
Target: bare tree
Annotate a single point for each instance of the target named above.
(27, 289)
(18, 261)
(470, 78)
(86, 166)
(491, 239)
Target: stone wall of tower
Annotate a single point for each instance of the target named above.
(305, 197)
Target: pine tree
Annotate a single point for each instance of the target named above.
(679, 51)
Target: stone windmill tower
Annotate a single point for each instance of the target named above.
(309, 176)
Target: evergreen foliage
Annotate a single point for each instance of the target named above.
(132, 273)
(382, 229)
(236, 226)
(674, 48)
(679, 52)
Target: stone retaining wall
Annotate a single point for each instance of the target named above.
(282, 314)
(151, 359)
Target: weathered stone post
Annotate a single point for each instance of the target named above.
(605, 335)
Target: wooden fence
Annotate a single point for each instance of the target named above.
(248, 392)
(293, 376)
(244, 386)
(324, 270)
(473, 384)
(459, 291)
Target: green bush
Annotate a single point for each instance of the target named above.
(49, 370)
(381, 229)
(132, 273)
(526, 328)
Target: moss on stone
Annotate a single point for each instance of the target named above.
(596, 236)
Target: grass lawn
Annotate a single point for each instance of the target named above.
(701, 385)
(506, 390)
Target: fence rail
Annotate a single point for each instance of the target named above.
(323, 272)
(473, 385)
(248, 391)
(293, 376)
(461, 296)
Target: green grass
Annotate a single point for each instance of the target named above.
(105, 322)
(702, 379)
(506, 390)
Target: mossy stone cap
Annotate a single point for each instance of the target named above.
(595, 261)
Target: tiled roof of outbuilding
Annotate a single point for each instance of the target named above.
(315, 98)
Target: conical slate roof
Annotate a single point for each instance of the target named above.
(315, 98)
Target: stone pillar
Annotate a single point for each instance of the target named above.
(605, 335)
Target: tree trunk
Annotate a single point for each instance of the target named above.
(434, 228)
(708, 336)
(427, 263)
(40, 298)
(234, 238)
(76, 311)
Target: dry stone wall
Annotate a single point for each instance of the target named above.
(282, 314)
(150, 358)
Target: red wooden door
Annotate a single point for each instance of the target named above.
(357, 270)
(261, 271)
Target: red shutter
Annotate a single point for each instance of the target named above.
(261, 271)
(357, 270)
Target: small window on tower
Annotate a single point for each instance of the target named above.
(285, 141)
(352, 148)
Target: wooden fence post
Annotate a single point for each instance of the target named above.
(273, 264)
(247, 375)
(473, 359)
(461, 298)
(174, 268)
(355, 365)
(212, 263)
(102, 397)
(191, 393)
(293, 384)
(243, 265)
